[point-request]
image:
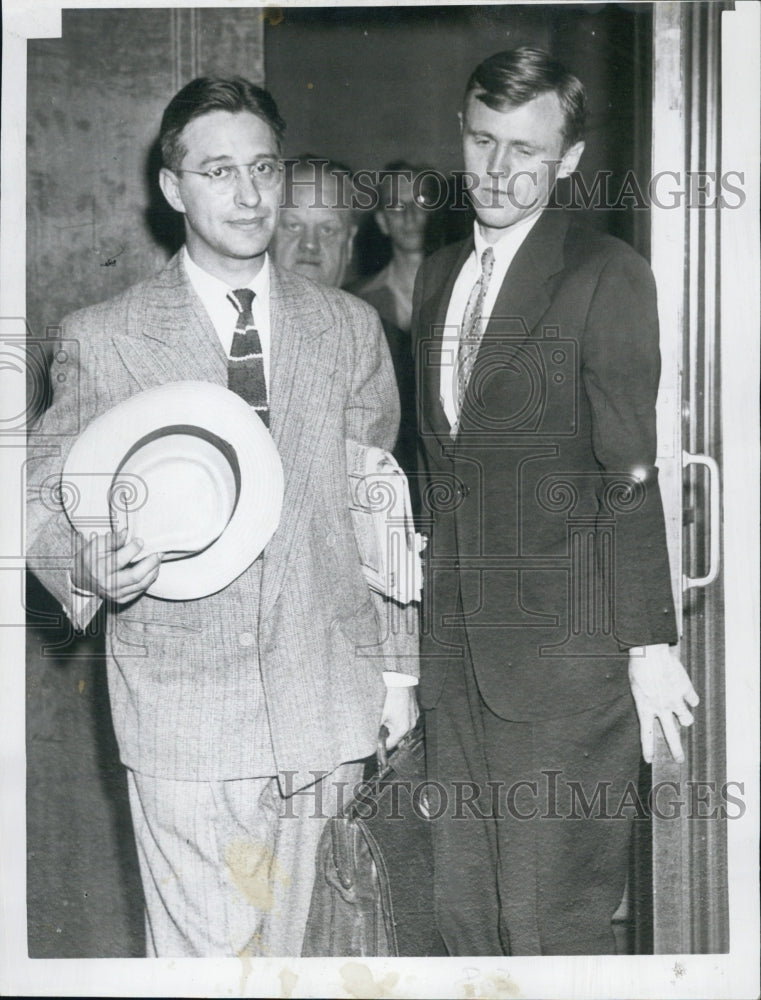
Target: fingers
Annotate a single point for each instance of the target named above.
(113, 540)
(671, 733)
(684, 715)
(120, 557)
(692, 697)
(133, 581)
(399, 714)
(114, 568)
(395, 730)
(646, 734)
(680, 683)
(662, 689)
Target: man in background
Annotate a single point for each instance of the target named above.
(403, 217)
(315, 237)
(316, 225)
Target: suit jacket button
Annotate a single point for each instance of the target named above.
(330, 539)
(246, 638)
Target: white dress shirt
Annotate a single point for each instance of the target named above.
(505, 250)
(213, 294)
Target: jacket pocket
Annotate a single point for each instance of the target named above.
(137, 637)
(360, 624)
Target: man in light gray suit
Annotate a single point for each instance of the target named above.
(226, 705)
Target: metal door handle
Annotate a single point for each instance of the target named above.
(714, 520)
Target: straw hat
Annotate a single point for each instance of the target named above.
(190, 469)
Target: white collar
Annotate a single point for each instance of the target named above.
(211, 288)
(507, 245)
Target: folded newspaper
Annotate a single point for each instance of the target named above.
(379, 500)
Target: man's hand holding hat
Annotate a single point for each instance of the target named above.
(109, 568)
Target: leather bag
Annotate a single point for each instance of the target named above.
(373, 894)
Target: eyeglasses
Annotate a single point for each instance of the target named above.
(264, 173)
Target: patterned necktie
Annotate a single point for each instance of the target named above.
(245, 366)
(471, 331)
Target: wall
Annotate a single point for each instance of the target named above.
(96, 221)
(368, 85)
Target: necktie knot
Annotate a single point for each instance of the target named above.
(242, 299)
(487, 263)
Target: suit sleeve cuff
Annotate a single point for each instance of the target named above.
(392, 679)
(81, 607)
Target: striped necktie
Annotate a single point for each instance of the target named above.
(245, 366)
(472, 331)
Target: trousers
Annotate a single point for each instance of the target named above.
(531, 853)
(228, 866)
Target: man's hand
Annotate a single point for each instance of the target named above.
(105, 566)
(400, 713)
(661, 689)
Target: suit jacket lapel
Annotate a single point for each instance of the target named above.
(525, 295)
(171, 336)
(300, 369)
(433, 315)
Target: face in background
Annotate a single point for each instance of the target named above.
(311, 238)
(228, 226)
(401, 218)
(517, 155)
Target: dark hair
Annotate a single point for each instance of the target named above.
(319, 163)
(403, 167)
(397, 166)
(214, 93)
(511, 78)
(318, 167)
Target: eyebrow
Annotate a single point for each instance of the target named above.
(513, 142)
(221, 158)
(225, 158)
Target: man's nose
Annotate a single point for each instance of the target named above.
(309, 240)
(246, 192)
(414, 217)
(499, 163)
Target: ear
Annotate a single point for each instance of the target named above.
(170, 187)
(461, 120)
(380, 220)
(570, 159)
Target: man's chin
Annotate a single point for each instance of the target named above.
(313, 271)
(248, 246)
(501, 218)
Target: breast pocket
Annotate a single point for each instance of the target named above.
(132, 637)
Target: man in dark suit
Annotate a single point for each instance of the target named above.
(549, 609)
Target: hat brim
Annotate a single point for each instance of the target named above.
(89, 470)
